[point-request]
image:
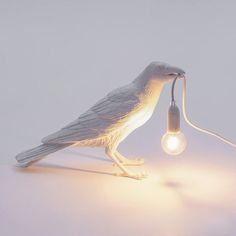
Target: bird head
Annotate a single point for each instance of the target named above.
(163, 72)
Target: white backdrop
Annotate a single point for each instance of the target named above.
(57, 58)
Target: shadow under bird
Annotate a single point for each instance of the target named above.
(111, 119)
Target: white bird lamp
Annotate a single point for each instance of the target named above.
(114, 117)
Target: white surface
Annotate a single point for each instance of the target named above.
(75, 194)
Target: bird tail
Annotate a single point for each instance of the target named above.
(30, 156)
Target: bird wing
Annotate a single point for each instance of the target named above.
(100, 118)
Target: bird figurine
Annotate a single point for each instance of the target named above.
(108, 122)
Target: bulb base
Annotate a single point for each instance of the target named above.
(173, 120)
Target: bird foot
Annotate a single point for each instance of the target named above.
(135, 162)
(137, 176)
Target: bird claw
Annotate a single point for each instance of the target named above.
(137, 176)
(135, 162)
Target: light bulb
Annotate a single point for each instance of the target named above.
(173, 143)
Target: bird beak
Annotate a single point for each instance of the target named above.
(176, 73)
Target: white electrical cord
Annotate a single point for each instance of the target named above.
(196, 127)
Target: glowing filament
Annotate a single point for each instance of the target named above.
(173, 143)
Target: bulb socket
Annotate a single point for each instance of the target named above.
(173, 120)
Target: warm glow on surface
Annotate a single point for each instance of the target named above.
(173, 143)
(191, 195)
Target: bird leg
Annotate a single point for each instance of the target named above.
(125, 172)
(127, 162)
